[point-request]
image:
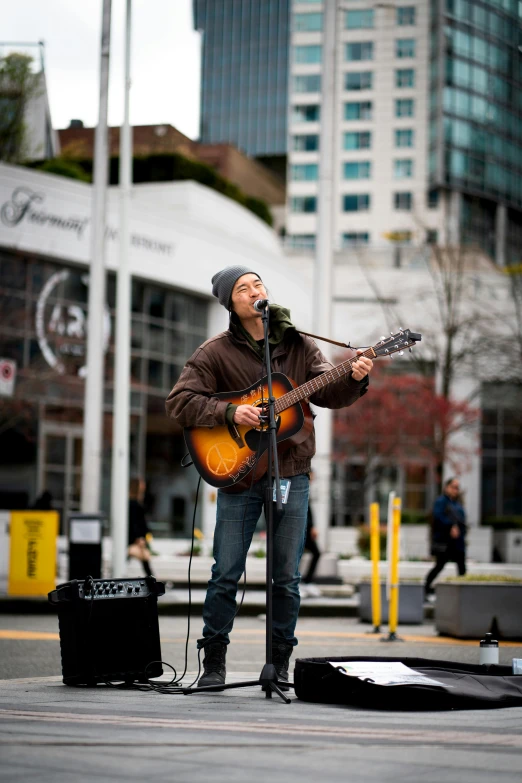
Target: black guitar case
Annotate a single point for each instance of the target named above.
(463, 686)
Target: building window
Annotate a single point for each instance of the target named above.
(304, 172)
(306, 113)
(404, 107)
(433, 199)
(360, 110)
(402, 200)
(432, 236)
(360, 169)
(358, 80)
(405, 47)
(300, 241)
(310, 82)
(357, 141)
(354, 238)
(308, 54)
(404, 138)
(303, 204)
(405, 77)
(501, 450)
(357, 20)
(356, 202)
(308, 23)
(403, 169)
(405, 15)
(358, 51)
(305, 143)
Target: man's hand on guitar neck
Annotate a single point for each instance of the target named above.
(248, 414)
(361, 367)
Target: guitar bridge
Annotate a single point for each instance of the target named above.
(236, 436)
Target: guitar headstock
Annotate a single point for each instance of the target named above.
(396, 342)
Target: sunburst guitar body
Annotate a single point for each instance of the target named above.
(225, 455)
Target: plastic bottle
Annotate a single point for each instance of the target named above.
(488, 650)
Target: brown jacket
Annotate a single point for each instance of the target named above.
(228, 363)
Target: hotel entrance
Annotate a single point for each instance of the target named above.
(60, 467)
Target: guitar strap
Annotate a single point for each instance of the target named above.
(326, 339)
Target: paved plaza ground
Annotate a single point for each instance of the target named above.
(50, 732)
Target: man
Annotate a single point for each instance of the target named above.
(449, 533)
(231, 361)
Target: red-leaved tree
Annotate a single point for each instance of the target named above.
(402, 420)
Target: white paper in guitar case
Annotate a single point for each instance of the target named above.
(384, 673)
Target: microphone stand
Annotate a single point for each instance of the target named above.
(268, 677)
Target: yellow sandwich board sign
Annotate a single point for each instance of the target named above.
(32, 562)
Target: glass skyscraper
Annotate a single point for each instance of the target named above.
(244, 84)
(476, 119)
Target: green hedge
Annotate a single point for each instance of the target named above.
(483, 578)
(363, 542)
(65, 168)
(509, 522)
(415, 517)
(161, 168)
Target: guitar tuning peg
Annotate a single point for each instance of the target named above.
(383, 337)
(401, 353)
(410, 350)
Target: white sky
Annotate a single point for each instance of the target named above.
(165, 58)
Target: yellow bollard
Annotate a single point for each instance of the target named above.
(376, 556)
(394, 571)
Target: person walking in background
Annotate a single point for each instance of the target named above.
(448, 533)
(138, 527)
(43, 502)
(308, 589)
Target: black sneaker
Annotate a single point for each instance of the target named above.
(214, 668)
(281, 658)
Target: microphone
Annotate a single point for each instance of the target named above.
(261, 304)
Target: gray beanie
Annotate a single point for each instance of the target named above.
(223, 282)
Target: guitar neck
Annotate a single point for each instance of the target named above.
(310, 387)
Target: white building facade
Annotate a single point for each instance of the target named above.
(380, 124)
(181, 235)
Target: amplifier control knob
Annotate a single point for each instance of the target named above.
(120, 587)
(113, 589)
(136, 589)
(129, 589)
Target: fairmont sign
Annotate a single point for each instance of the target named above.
(24, 205)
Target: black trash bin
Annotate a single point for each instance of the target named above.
(85, 545)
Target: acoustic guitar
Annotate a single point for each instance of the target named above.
(225, 455)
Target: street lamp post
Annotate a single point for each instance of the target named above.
(121, 403)
(93, 418)
(324, 264)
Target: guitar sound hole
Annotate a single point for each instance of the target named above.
(257, 438)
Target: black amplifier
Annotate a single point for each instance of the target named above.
(109, 629)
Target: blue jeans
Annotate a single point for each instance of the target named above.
(231, 545)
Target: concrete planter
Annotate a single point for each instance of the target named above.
(411, 598)
(471, 609)
(508, 544)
